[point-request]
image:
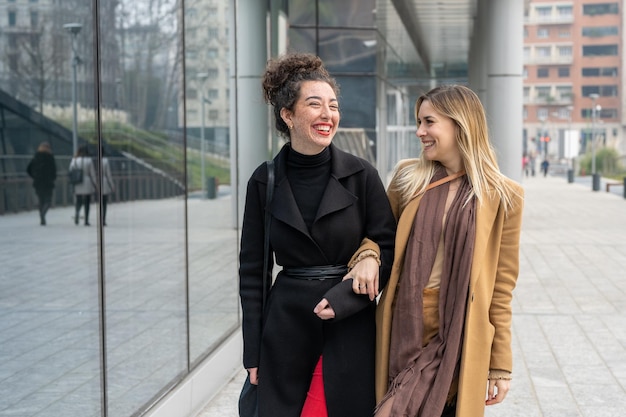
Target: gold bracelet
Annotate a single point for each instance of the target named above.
(497, 374)
(365, 254)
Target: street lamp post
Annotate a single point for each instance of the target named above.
(568, 139)
(543, 145)
(202, 77)
(74, 29)
(595, 178)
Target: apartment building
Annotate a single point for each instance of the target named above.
(573, 77)
(207, 69)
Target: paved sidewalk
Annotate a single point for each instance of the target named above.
(569, 323)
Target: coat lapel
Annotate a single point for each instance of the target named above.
(336, 197)
(485, 218)
(285, 208)
(405, 226)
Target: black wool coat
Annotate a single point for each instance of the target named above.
(43, 170)
(287, 346)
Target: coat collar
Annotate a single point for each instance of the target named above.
(336, 197)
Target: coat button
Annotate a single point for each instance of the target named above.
(472, 299)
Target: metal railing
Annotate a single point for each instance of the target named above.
(132, 181)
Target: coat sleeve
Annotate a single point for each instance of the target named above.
(53, 169)
(91, 172)
(29, 169)
(380, 228)
(108, 178)
(506, 277)
(250, 271)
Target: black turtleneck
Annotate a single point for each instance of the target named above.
(308, 176)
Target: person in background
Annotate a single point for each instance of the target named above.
(444, 319)
(311, 351)
(43, 170)
(108, 186)
(84, 190)
(545, 165)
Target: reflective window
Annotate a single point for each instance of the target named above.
(564, 11)
(212, 235)
(348, 50)
(302, 40)
(144, 238)
(50, 332)
(543, 51)
(353, 13)
(302, 12)
(600, 31)
(600, 9)
(114, 287)
(600, 50)
(543, 32)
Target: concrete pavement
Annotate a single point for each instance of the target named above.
(569, 323)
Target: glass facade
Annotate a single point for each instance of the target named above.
(103, 320)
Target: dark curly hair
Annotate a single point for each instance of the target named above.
(282, 80)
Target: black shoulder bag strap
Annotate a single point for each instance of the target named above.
(266, 246)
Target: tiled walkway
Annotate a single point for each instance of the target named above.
(569, 324)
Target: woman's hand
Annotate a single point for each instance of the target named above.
(365, 277)
(323, 310)
(254, 375)
(498, 388)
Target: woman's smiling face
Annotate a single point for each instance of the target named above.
(438, 135)
(314, 119)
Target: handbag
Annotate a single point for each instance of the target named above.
(76, 174)
(248, 398)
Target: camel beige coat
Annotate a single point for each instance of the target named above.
(487, 331)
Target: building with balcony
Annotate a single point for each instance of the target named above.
(572, 64)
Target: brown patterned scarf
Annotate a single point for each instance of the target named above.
(421, 376)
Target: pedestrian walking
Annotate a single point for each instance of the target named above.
(444, 319)
(43, 170)
(84, 189)
(312, 351)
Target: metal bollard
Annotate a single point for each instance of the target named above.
(211, 187)
(570, 175)
(595, 182)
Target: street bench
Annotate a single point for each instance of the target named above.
(611, 184)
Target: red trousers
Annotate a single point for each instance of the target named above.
(315, 404)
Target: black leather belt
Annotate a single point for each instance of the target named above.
(320, 272)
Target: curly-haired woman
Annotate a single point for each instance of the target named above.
(311, 351)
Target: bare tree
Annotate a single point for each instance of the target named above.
(151, 53)
(35, 60)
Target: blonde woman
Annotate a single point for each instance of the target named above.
(444, 320)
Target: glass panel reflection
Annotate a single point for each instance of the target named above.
(348, 50)
(352, 13)
(301, 12)
(302, 40)
(49, 299)
(144, 237)
(212, 237)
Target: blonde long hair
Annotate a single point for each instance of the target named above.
(463, 106)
